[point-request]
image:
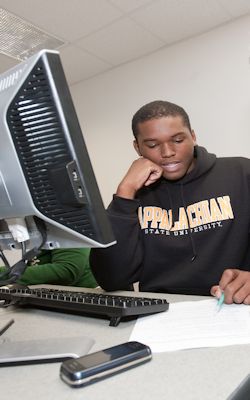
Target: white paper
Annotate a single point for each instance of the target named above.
(194, 324)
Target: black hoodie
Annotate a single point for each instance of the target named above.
(179, 236)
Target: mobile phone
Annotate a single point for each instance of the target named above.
(101, 364)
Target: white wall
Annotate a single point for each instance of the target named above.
(208, 75)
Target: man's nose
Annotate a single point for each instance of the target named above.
(167, 150)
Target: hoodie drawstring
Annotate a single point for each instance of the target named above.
(189, 229)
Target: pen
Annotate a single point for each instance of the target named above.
(220, 302)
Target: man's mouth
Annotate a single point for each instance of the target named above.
(171, 166)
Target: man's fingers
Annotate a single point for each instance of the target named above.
(228, 276)
(236, 286)
(216, 291)
(247, 300)
(153, 177)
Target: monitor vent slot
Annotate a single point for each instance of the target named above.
(41, 144)
(10, 80)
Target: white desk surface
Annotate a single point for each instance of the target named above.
(197, 374)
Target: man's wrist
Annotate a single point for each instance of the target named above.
(126, 192)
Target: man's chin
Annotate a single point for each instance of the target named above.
(173, 176)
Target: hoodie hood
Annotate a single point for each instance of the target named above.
(204, 162)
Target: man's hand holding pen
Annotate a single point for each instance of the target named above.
(235, 285)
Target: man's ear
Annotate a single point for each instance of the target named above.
(194, 137)
(135, 143)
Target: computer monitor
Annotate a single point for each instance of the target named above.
(48, 190)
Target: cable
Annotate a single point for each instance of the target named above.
(23, 246)
(18, 268)
(6, 262)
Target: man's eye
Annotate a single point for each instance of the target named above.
(178, 140)
(152, 145)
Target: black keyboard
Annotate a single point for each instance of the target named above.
(113, 306)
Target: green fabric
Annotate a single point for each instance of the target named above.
(68, 267)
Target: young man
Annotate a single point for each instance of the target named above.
(181, 216)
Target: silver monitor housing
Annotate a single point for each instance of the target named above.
(45, 169)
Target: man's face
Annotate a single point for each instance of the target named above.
(168, 143)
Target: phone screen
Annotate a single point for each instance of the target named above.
(98, 365)
(104, 356)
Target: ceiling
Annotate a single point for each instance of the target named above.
(99, 35)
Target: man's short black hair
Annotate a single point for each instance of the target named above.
(158, 109)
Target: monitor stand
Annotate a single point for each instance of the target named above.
(42, 350)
